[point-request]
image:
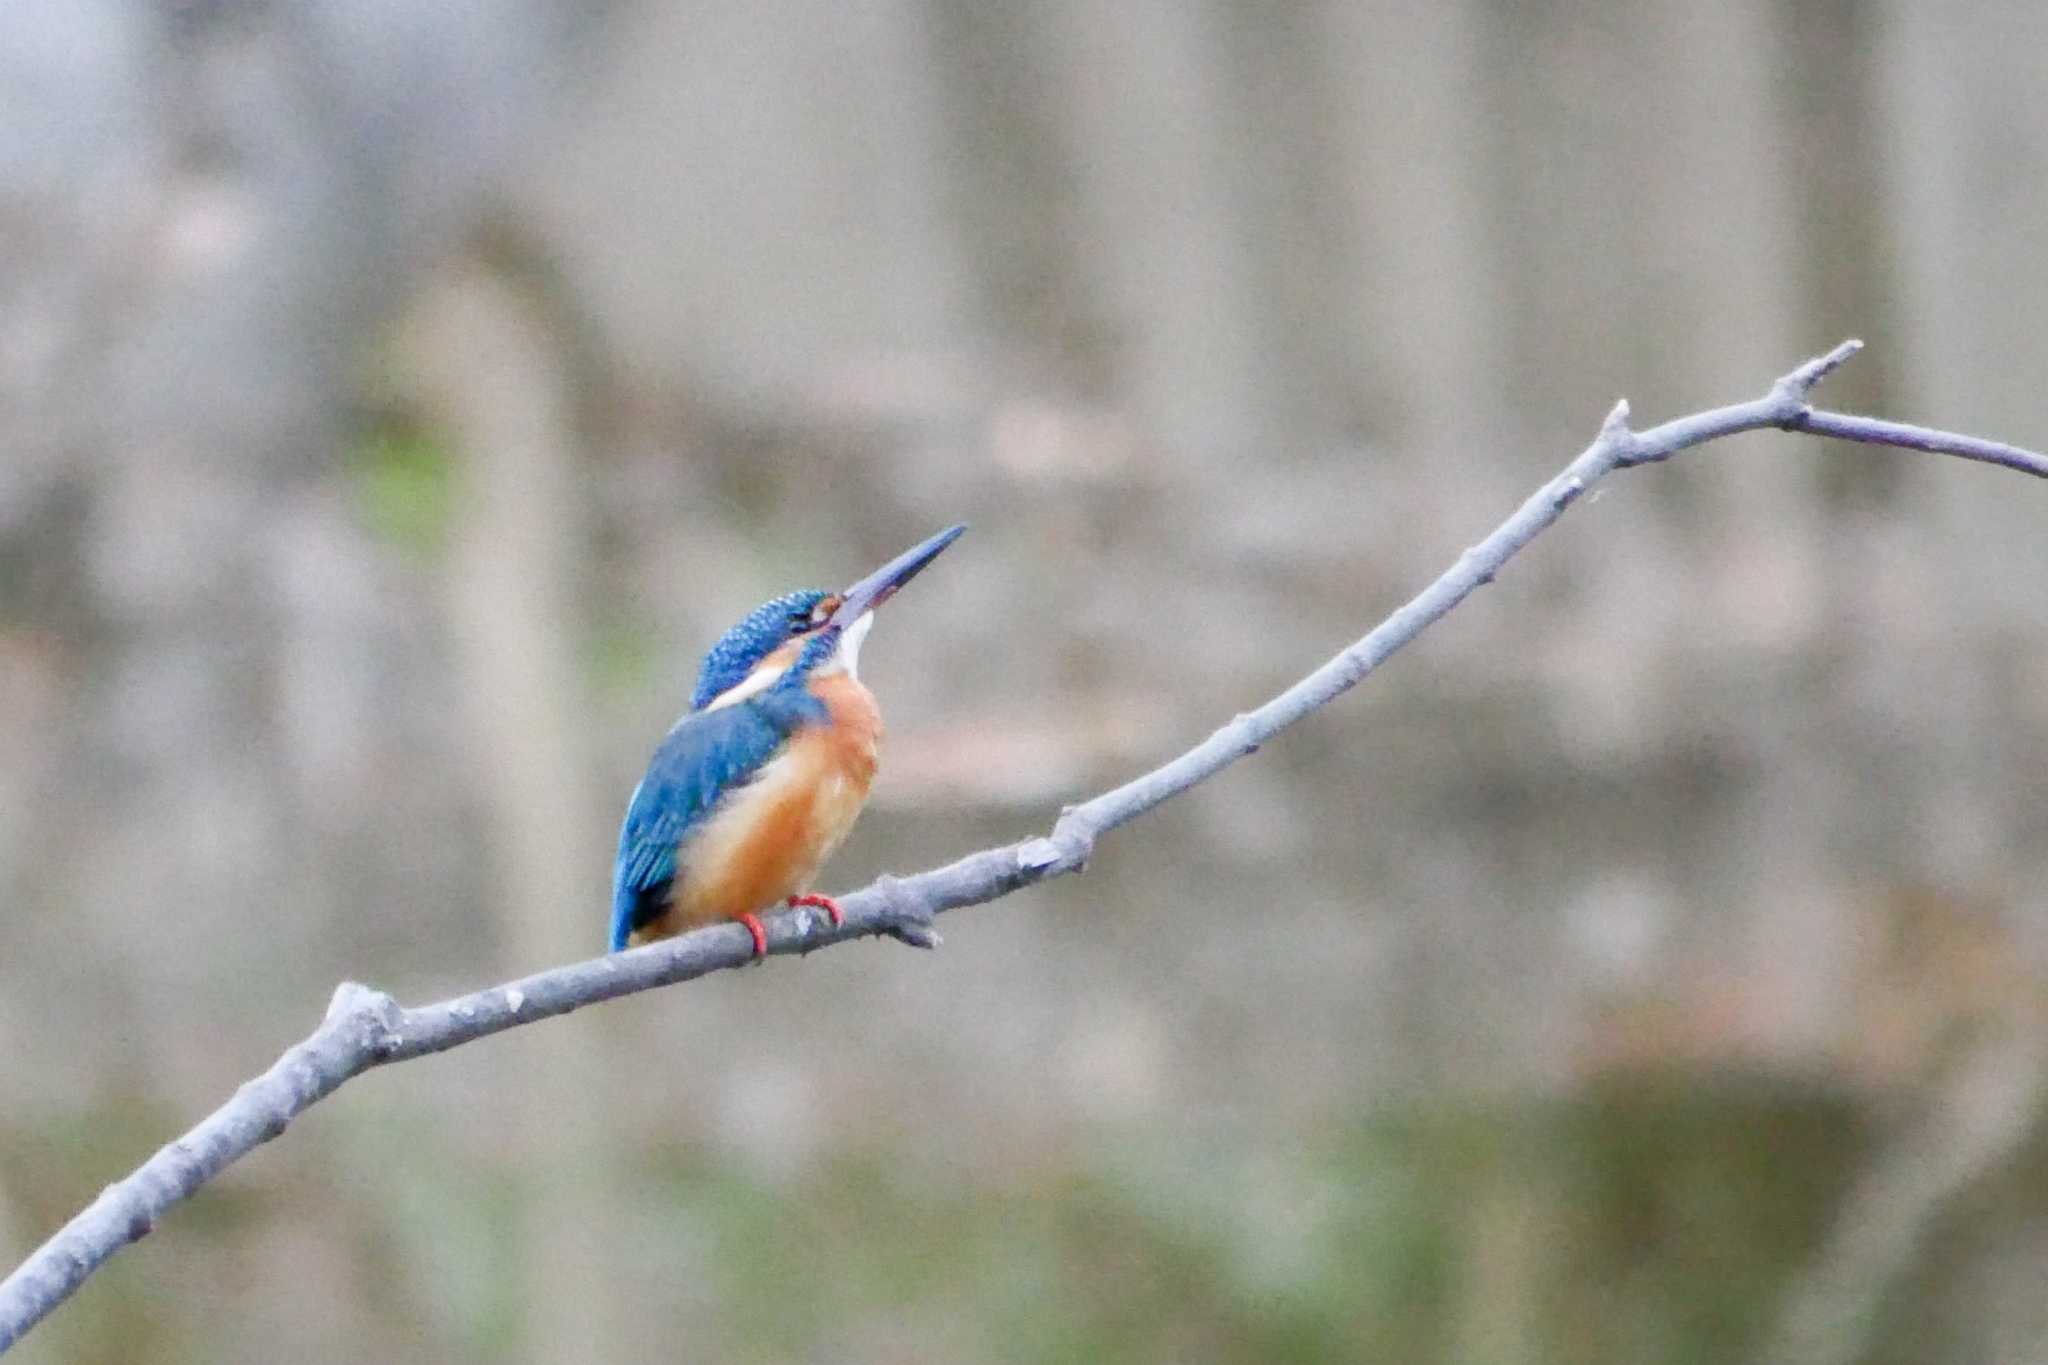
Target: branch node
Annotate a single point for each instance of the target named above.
(1036, 855)
(1073, 839)
(913, 934)
(1618, 437)
(1795, 418)
(1791, 391)
(1616, 421)
(368, 1016)
(349, 998)
(1568, 492)
(908, 918)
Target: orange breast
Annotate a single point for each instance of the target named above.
(768, 839)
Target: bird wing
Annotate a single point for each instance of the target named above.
(708, 755)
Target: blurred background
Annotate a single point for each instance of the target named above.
(397, 399)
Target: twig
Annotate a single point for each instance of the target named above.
(365, 1028)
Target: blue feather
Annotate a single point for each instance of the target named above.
(746, 644)
(707, 756)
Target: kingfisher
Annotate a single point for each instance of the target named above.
(762, 778)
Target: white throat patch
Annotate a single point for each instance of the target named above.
(848, 654)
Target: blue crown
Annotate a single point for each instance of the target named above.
(749, 642)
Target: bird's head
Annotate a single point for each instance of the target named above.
(806, 633)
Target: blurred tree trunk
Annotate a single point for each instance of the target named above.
(495, 379)
(206, 210)
(210, 210)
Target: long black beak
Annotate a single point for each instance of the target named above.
(879, 586)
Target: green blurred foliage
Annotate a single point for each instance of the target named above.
(403, 481)
(1644, 1219)
(1652, 1219)
(622, 657)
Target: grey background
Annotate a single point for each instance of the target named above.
(397, 400)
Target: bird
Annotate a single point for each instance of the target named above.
(764, 775)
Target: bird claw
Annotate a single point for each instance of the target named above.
(760, 933)
(825, 903)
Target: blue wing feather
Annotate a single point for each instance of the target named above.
(707, 755)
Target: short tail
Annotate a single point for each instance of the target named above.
(623, 900)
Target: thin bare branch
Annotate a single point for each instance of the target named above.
(1870, 431)
(365, 1028)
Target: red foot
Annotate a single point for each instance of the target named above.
(825, 903)
(753, 923)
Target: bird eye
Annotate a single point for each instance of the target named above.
(819, 613)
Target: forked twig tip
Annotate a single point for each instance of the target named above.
(1802, 380)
